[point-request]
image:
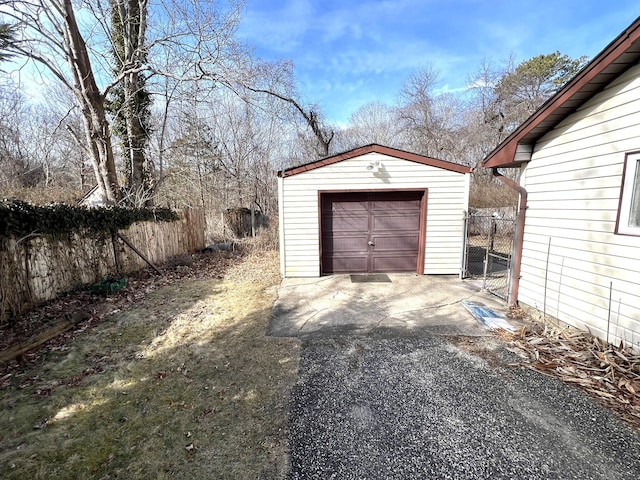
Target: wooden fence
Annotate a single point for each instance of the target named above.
(40, 268)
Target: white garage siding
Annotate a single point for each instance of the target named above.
(574, 182)
(447, 201)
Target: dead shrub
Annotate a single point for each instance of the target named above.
(487, 192)
(267, 239)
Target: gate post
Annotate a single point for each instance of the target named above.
(464, 268)
(487, 256)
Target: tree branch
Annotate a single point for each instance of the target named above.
(310, 117)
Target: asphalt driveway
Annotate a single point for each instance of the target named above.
(396, 397)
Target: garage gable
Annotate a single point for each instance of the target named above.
(375, 148)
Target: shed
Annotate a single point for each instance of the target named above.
(578, 256)
(373, 209)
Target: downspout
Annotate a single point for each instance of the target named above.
(518, 240)
(283, 250)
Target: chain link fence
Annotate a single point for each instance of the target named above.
(489, 241)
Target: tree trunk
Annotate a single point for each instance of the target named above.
(92, 106)
(129, 22)
(136, 136)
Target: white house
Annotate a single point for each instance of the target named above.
(579, 155)
(372, 209)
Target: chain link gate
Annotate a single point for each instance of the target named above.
(488, 247)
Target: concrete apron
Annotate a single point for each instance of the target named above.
(408, 304)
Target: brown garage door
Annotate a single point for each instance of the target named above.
(371, 232)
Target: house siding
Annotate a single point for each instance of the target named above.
(573, 266)
(447, 200)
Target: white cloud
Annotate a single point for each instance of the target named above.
(349, 53)
(280, 30)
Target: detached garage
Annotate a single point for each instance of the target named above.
(374, 209)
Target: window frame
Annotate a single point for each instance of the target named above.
(630, 176)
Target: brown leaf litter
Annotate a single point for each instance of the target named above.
(88, 308)
(607, 372)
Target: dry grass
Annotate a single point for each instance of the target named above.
(487, 193)
(184, 384)
(44, 195)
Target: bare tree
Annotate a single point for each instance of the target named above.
(73, 165)
(199, 39)
(17, 168)
(47, 32)
(374, 122)
(276, 79)
(313, 119)
(430, 122)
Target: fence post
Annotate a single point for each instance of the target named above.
(487, 257)
(253, 222)
(493, 227)
(116, 255)
(465, 245)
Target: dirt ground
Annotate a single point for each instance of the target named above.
(171, 378)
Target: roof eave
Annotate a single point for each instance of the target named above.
(509, 153)
(512, 156)
(375, 148)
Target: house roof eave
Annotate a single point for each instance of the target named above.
(620, 55)
(512, 156)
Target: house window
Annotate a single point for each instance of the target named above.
(629, 214)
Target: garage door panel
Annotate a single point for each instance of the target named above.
(395, 205)
(346, 223)
(345, 203)
(399, 196)
(396, 243)
(395, 222)
(348, 243)
(346, 264)
(395, 263)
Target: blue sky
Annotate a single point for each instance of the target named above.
(348, 53)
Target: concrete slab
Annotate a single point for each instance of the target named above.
(407, 305)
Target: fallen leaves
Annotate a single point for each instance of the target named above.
(83, 309)
(608, 372)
